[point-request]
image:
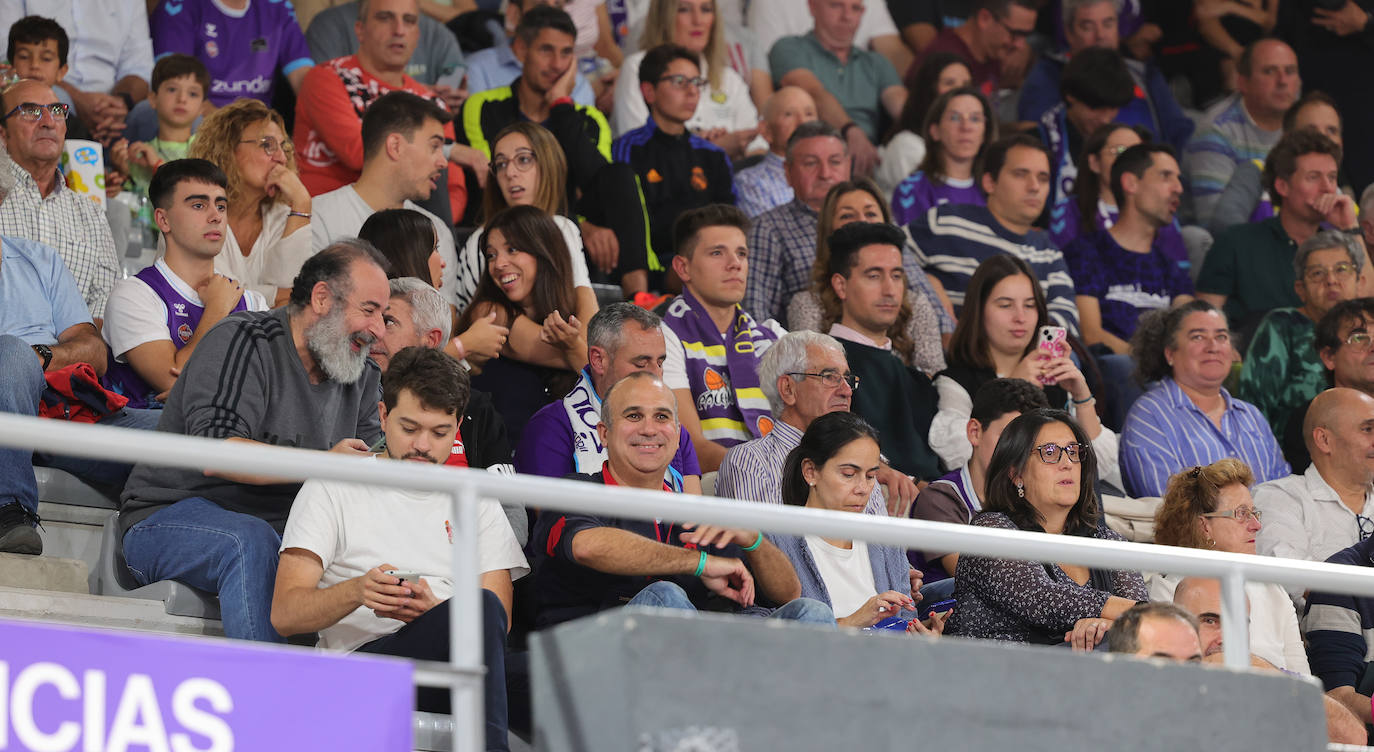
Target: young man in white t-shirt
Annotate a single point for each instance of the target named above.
(155, 319)
(341, 539)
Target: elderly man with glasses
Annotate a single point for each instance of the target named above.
(41, 207)
(1343, 341)
(1282, 371)
(1330, 507)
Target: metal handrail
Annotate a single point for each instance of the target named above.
(467, 485)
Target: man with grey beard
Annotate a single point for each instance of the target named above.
(294, 376)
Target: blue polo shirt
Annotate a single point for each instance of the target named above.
(38, 296)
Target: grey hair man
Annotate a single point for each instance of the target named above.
(561, 438)
(417, 316)
(804, 375)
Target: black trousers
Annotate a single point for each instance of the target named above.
(611, 198)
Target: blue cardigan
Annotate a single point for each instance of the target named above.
(890, 568)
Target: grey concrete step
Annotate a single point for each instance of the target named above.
(49, 573)
(99, 611)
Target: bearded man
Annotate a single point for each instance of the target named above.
(294, 376)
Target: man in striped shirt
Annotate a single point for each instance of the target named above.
(950, 241)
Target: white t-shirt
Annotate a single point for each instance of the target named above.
(136, 315)
(772, 20)
(273, 262)
(471, 266)
(847, 574)
(675, 362)
(353, 528)
(728, 107)
(341, 213)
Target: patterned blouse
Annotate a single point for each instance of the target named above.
(1025, 601)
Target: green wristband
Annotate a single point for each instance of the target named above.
(701, 565)
(754, 546)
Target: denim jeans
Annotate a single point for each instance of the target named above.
(1118, 381)
(206, 546)
(663, 594)
(21, 387)
(426, 639)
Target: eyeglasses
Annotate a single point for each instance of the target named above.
(270, 145)
(1050, 453)
(1239, 514)
(1015, 33)
(1366, 527)
(681, 81)
(1321, 273)
(1359, 341)
(523, 161)
(32, 111)
(1115, 151)
(831, 379)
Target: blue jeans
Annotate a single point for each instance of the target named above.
(206, 546)
(21, 387)
(1118, 381)
(664, 594)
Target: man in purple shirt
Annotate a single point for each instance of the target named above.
(561, 438)
(242, 42)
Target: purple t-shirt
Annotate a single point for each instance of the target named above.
(1066, 225)
(243, 50)
(916, 194)
(1126, 284)
(546, 446)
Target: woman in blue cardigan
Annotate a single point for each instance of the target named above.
(834, 468)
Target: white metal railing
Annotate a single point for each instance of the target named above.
(467, 485)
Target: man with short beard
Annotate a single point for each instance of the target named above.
(294, 376)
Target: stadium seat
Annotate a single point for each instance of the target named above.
(61, 487)
(112, 577)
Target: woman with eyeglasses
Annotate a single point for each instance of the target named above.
(527, 288)
(1004, 308)
(1210, 507)
(1187, 417)
(958, 127)
(834, 469)
(904, 146)
(1092, 206)
(725, 114)
(530, 170)
(1040, 479)
(1343, 340)
(268, 233)
(1281, 371)
(916, 339)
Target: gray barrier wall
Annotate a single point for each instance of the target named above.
(664, 681)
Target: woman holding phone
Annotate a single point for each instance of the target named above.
(834, 468)
(999, 337)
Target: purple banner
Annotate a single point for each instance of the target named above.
(64, 688)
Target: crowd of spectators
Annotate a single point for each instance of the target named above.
(994, 263)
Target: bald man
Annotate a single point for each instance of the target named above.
(764, 186)
(1331, 506)
(1156, 629)
(595, 563)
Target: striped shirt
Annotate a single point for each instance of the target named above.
(950, 241)
(763, 186)
(1227, 137)
(1165, 433)
(71, 223)
(1340, 627)
(753, 470)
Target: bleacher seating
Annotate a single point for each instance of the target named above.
(112, 577)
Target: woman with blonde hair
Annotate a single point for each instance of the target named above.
(1210, 507)
(725, 115)
(818, 308)
(267, 236)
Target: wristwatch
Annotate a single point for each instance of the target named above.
(45, 353)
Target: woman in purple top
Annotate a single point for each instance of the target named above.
(958, 128)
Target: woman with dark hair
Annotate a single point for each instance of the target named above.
(530, 170)
(1210, 507)
(818, 308)
(904, 145)
(834, 468)
(1092, 206)
(406, 237)
(1040, 480)
(1004, 309)
(959, 126)
(1188, 418)
(527, 288)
